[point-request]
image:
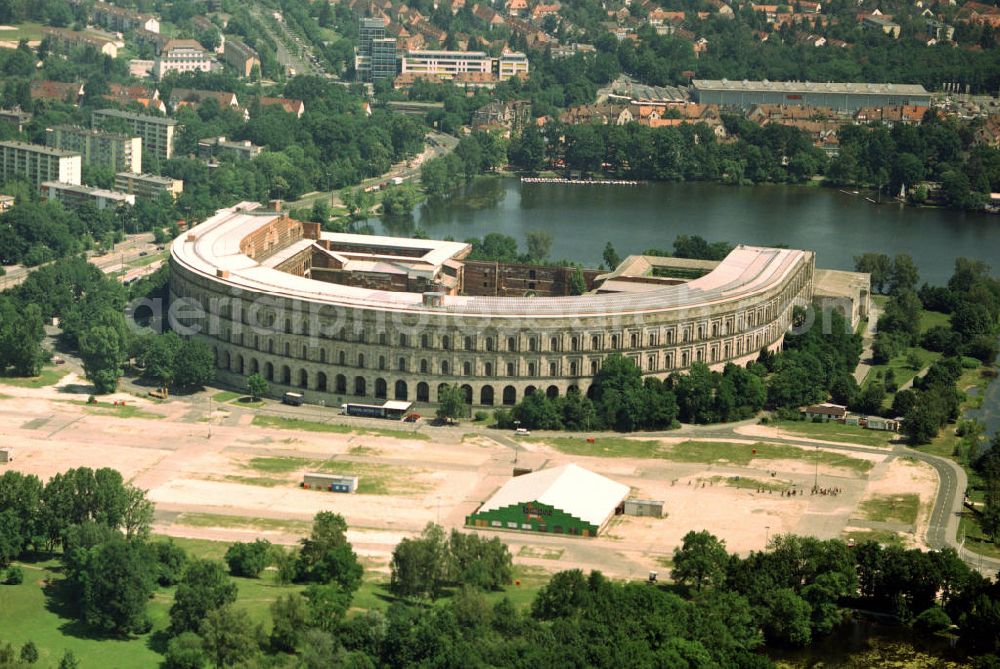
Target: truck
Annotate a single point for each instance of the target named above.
(294, 399)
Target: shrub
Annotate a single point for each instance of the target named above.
(15, 576)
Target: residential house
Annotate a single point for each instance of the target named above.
(808, 7)
(980, 13)
(488, 15)
(512, 116)
(58, 91)
(988, 134)
(240, 57)
(290, 105)
(881, 23)
(940, 31)
(182, 55)
(122, 19)
(15, 117)
(192, 99)
(890, 115)
(541, 10)
(64, 41)
(516, 7)
(824, 411)
(215, 147)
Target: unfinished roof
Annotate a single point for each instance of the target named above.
(579, 492)
(808, 87)
(214, 245)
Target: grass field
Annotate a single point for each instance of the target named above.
(337, 428)
(745, 483)
(848, 434)
(930, 319)
(901, 369)
(194, 519)
(49, 376)
(28, 31)
(703, 451)
(901, 508)
(541, 552)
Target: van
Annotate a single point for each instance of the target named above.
(294, 399)
(521, 432)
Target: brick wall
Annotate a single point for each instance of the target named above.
(277, 235)
(483, 277)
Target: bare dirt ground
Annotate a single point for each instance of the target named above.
(213, 487)
(895, 476)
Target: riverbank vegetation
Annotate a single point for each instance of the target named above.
(101, 589)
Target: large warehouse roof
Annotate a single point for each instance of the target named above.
(570, 488)
(808, 87)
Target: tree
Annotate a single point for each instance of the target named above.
(159, 356)
(328, 605)
(257, 386)
(185, 651)
(419, 566)
(248, 559)
(290, 618)
(228, 636)
(326, 556)
(29, 653)
(787, 619)
(103, 352)
(539, 245)
(904, 274)
(700, 560)
(69, 661)
(577, 284)
(611, 257)
(879, 265)
(451, 403)
(204, 587)
(115, 580)
(479, 562)
(194, 365)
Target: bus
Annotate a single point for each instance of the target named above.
(295, 399)
(391, 410)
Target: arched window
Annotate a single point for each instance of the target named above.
(381, 362)
(402, 340)
(488, 369)
(511, 344)
(593, 367)
(342, 358)
(444, 366)
(402, 364)
(572, 369)
(715, 329)
(552, 369)
(531, 369)
(424, 341)
(446, 342)
(554, 344)
(651, 363)
(489, 343)
(510, 369)
(361, 359)
(532, 344)
(574, 343)
(701, 332)
(468, 343)
(614, 341)
(635, 340)
(467, 368)
(595, 342)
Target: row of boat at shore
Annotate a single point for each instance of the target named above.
(582, 182)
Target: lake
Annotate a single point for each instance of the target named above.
(837, 226)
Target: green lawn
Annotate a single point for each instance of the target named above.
(746, 483)
(900, 367)
(930, 319)
(49, 376)
(283, 423)
(901, 508)
(226, 396)
(28, 31)
(374, 478)
(703, 451)
(848, 434)
(283, 465)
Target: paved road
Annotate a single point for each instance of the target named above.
(124, 253)
(868, 338)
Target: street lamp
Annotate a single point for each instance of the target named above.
(816, 477)
(767, 535)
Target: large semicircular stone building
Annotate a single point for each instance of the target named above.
(361, 318)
